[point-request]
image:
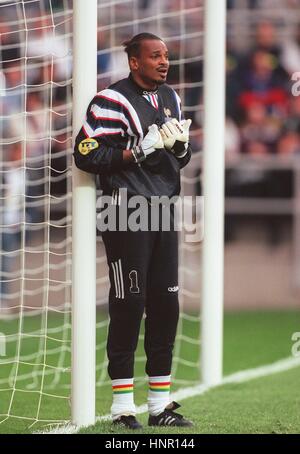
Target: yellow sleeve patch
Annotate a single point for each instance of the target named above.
(87, 145)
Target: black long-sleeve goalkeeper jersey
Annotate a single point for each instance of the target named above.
(117, 119)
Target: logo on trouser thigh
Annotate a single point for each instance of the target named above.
(173, 289)
(118, 278)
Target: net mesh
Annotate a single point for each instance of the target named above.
(35, 214)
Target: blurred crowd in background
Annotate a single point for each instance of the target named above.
(262, 114)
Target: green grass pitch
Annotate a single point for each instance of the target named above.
(251, 339)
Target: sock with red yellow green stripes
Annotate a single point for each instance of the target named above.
(123, 402)
(158, 394)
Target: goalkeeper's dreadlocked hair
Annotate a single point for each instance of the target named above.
(132, 46)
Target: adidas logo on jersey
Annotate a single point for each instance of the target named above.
(173, 289)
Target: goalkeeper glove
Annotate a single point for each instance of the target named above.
(151, 142)
(176, 136)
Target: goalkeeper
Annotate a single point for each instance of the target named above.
(134, 137)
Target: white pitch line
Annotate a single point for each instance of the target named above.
(238, 377)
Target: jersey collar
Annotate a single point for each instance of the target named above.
(141, 90)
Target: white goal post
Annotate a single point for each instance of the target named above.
(213, 183)
(84, 222)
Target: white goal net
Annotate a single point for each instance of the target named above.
(36, 193)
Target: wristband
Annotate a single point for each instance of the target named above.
(179, 149)
(138, 154)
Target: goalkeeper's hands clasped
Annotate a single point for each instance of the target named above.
(175, 136)
(151, 142)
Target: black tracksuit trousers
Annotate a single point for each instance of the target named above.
(143, 272)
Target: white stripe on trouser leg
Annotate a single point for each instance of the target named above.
(121, 279)
(118, 279)
(117, 285)
(115, 197)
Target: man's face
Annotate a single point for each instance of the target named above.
(151, 67)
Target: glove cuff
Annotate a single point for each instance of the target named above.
(179, 148)
(138, 154)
